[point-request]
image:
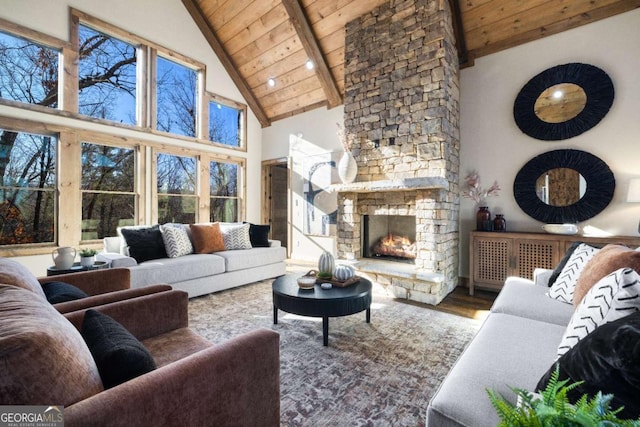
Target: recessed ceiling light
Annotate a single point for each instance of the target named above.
(309, 64)
(271, 82)
(558, 94)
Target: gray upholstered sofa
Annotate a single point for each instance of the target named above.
(515, 346)
(200, 274)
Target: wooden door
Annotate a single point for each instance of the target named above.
(278, 197)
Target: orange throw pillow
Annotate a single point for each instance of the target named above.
(206, 238)
(609, 259)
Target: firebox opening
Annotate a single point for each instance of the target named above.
(390, 237)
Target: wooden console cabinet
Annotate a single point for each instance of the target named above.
(495, 256)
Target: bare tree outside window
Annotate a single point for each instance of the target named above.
(176, 189)
(107, 73)
(27, 189)
(225, 124)
(108, 190)
(223, 182)
(176, 98)
(28, 71)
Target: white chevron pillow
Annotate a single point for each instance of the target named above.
(236, 237)
(565, 285)
(613, 297)
(176, 240)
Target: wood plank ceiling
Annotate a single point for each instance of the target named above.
(258, 40)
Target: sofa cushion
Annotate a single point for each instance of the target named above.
(521, 297)
(508, 351)
(145, 244)
(44, 358)
(124, 249)
(613, 297)
(207, 238)
(14, 273)
(259, 235)
(608, 259)
(607, 360)
(236, 238)
(176, 240)
(564, 287)
(240, 260)
(119, 356)
(174, 270)
(57, 292)
(556, 271)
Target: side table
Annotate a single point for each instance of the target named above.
(76, 268)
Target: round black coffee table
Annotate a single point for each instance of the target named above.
(318, 302)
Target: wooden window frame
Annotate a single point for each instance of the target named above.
(218, 99)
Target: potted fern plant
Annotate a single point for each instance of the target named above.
(553, 408)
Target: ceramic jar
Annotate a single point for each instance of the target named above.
(483, 219)
(347, 168)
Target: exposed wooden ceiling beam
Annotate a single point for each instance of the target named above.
(225, 59)
(458, 30)
(310, 44)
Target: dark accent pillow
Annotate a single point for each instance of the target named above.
(607, 360)
(259, 235)
(145, 243)
(57, 292)
(119, 356)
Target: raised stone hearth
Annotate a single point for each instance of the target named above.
(402, 111)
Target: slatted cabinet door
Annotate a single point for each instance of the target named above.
(489, 261)
(532, 254)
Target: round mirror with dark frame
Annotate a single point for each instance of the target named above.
(595, 187)
(563, 101)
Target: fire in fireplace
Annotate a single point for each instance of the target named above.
(390, 237)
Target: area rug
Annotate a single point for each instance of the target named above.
(377, 374)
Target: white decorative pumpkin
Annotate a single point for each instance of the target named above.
(326, 265)
(343, 272)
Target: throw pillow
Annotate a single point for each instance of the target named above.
(57, 292)
(609, 259)
(119, 355)
(207, 238)
(607, 360)
(237, 237)
(562, 263)
(145, 244)
(176, 240)
(564, 286)
(259, 235)
(43, 356)
(613, 297)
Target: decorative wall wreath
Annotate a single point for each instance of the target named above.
(596, 84)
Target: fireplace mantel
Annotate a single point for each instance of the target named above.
(407, 184)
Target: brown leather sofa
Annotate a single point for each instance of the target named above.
(235, 383)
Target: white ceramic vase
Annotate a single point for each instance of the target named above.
(347, 168)
(87, 261)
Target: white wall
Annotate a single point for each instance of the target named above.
(306, 134)
(165, 22)
(491, 142)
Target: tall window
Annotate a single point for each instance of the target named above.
(176, 189)
(108, 189)
(223, 180)
(176, 104)
(225, 124)
(107, 77)
(28, 71)
(27, 188)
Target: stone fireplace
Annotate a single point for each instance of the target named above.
(402, 111)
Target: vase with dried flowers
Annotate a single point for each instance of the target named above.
(475, 192)
(347, 166)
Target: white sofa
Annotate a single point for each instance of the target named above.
(200, 274)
